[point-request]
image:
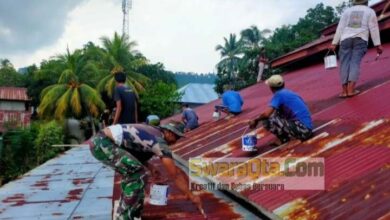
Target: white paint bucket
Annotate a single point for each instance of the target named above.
(249, 143)
(216, 115)
(330, 61)
(158, 194)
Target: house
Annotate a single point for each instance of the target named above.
(14, 107)
(197, 94)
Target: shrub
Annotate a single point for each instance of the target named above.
(25, 148)
(49, 134)
(17, 155)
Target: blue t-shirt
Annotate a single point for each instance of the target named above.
(291, 106)
(191, 119)
(129, 101)
(232, 100)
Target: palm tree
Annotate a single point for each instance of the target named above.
(70, 98)
(121, 56)
(230, 53)
(252, 38)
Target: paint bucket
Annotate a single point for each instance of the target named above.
(216, 115)
(249, 143)
(158, 194)
(330, 61)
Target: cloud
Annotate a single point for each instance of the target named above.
(28, 25)
(182, 34)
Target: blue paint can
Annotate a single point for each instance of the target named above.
(249, 143)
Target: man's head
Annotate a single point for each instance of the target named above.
(172, 132)
(120, 77)
(184, 105)
(275, 83)
(360, 2)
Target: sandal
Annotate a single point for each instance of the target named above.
(355, 93)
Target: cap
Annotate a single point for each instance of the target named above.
(275, 81)
(175, 128)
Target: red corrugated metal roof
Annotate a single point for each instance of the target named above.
(13, 93)
(352, 135)
(179, 207)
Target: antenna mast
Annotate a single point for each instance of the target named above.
(126, 6)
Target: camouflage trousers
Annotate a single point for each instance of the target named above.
(132, 171)
(286, 129)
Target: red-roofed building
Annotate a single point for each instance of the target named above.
(14, 107)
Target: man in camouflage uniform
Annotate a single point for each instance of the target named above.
(127, 148)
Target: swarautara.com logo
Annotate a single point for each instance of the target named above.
(273, 173)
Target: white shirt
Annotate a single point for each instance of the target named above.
(358, 21)
(117, 133)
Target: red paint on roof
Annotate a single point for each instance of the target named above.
(353, 136)
(13, 94)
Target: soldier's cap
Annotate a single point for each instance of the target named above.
(175, 128)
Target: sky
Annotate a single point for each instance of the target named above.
(181, 34)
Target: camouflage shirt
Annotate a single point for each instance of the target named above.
(142, 141)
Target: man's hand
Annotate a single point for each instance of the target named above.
(198, 202)
(332, 47)
(379, 49)
(181, 181)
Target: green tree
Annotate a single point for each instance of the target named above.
(289, 37)
(160, 99)
(252, 41)
(157, 72)
(121, 56)
(230, 53)
(9, 76)
(69, 97)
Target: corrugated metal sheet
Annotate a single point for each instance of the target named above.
(198, 93)
(178, 207)
(351, 134)
(71, 186)
(13, 93)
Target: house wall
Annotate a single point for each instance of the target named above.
(12, 106)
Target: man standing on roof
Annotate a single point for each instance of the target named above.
(231, 102)
(263, 63)
(287, 116)
(189, 118)
(352, 33)
(126, 148)
(126, 101)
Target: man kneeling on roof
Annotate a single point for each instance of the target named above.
(287, 116)
(127, 148)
